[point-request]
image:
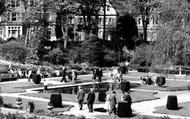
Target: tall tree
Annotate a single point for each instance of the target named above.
(65, 12)
(89, 10)
(144, 9)
(173, 32)
(127, 30)
(4, 5)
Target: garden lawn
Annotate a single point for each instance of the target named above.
(137, 96)
(39, 105)
(184, 110)
(171, 85)
(133, 117)
(18, 87)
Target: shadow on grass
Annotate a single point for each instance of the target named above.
(104, 111)
(135, 85)
(99, 109)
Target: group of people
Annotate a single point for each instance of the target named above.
(116, 75)
(20, 73)
(110, 103)
(97, 73)
(71, 76)
(90, 98)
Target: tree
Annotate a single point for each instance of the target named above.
(89, 10)
(144, 9)
(56, 56)
(173, 33)
(13, 51)
(92, 51)
(65, 11)
(4, 5)
(127, 30)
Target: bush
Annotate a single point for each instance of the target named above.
(57, 56)
(123, 69)
(56, 100)
(124, 109)
(125, 86)
(31, 106)
(36, 78)
(172, 103)
(160, 81)
(14, 51)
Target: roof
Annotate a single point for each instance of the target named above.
(119, 6)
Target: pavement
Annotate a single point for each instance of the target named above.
(142, 108)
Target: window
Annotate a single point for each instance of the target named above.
(14, 17)
(15, 3)
(14, 31)
(31, 3)
(110, 21)
(48, 34)
(139, 21)
(108, 8)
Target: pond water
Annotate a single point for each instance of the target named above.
(74, 89)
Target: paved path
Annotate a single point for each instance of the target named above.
(144, 108)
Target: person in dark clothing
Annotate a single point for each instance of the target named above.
(80, 97)
(94, 74)
(113, 103)
(90, 99)
(100, 74)
(63, 73)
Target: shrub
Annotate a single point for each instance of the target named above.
(172, 103)
(36, 78)
(149, 81)
(160, 81)
(13, 51)
(125, 86)
(19, 99)
(56, 100)
(124, 109)
(123, 69)
(31, 106)
(57, 56)
(188, 87)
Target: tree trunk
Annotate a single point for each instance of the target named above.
(27, 37)
(145, 31)
(64, 29)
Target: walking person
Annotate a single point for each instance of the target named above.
(108, 102)
(63, 73)
(90, 100)
(113, 103)
(100, 74)
(45, 86)
(94, 75)
(80, 97)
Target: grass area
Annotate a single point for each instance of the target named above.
(184, 109)
(171, 85)
(132, 117)
(39, 105)
(17, 87)
(137, 96)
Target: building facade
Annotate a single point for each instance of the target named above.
(11, 24)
